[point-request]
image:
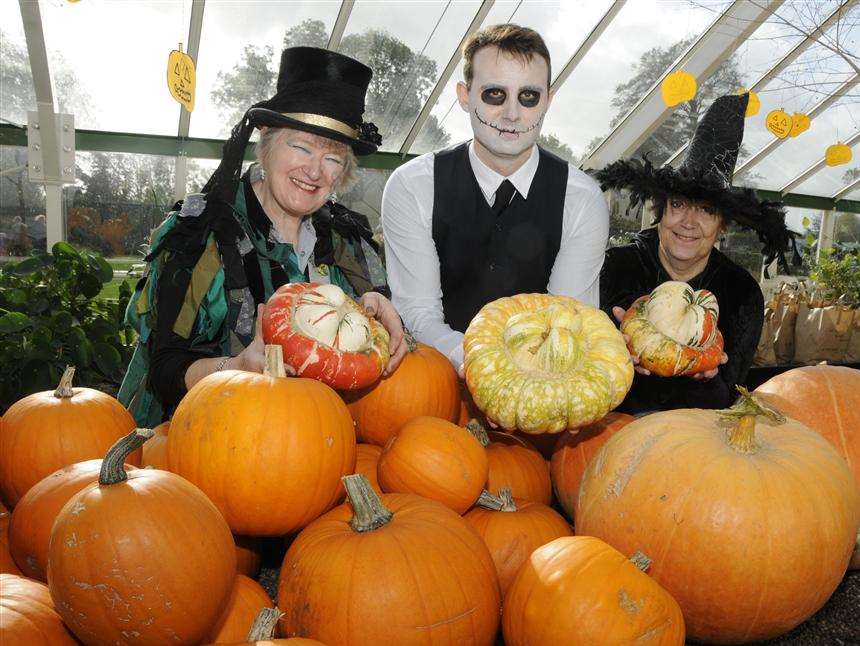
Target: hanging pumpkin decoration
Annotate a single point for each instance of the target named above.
(181, 78)
(800, 123)
(838, 154)
(246, 600)
(155, 448)
(573, 452)
(267, 450)
(425, 383)
(27, 615)
(579, 590)
(420, 575)
(779, 123)
(678, 87)
(753, 103)
(513, 530)
(674, 331)
(325, 335)
(436, 459)
(728, 497)
(540, 363)
(7, 563)
(148, 538)
(49, 430)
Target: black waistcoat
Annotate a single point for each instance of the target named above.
(482, 258)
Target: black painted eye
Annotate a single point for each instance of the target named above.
(529, 98)
(494, 96)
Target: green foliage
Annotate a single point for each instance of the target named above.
(838, 272)
(50, 317)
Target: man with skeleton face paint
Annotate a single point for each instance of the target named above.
(497, 215)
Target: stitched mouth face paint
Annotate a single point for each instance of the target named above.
(508, 130)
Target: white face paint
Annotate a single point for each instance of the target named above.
(506, 103)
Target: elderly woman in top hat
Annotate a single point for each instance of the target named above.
(218, 258)
(693, 205)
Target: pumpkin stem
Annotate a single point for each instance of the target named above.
(478, 432)
(749, 404)
(742, 435)
(368, 512)
(113, 469)
(64, 389)
(264, 625)
(641, 561)
(274, 361)
(503, 502)
(411, 343)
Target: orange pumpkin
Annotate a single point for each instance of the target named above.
(513, 530)
(267, 450)
(579, 590)
(436, 459)
(155, 448)
(47, 431)
(419, 575)
(366, 463)
(247, 598)
(263, 630)
(248, 555)
(727, 497)
(7, 563)
(27, 615)
(574, 451)
(424, 384)
(148, 538)
(468, 409)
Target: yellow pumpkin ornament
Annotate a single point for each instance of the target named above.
(800, 123)
(779, 123)
(677, 88)
(838, 154)
(181, 77)
(753, 104)
(540, 363)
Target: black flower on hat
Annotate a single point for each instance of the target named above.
(368, 131)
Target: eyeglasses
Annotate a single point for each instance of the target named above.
(698, 208)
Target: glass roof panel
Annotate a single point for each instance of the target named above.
(117, 53)
(607, 83)
(563, 25)
(831, 179)
(240, 51)
(16, 82)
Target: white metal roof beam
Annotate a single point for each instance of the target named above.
(427, 108)
(701, 59)
(817, 166)
(845, 191)
(195, 27)
(587, 44)
(775, 143)
(340, 25)
(784, 62)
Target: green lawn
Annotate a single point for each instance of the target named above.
(124, 263)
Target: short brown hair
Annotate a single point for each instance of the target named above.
(512, 39)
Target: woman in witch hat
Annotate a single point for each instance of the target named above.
(693, 205)
(218, 258)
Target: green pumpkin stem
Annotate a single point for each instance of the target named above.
(368, 512)
(411, 343)
(113, 469)
(641, 561)
(264, 625)
(478, 432)
(741, 436)
(274, 361)
(749, 404)
(503, 502)
(64, 389)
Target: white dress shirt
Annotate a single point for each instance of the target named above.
(413, 264)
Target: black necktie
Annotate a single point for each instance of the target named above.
(504, 194)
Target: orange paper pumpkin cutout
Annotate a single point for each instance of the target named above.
(838, 154)
(779, 123)
(181, 78)
(678, 87)
(799, 123)
(754, 103)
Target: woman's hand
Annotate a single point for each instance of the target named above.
(253, 357)
(618, 313)
(383, 311)
(710, 374)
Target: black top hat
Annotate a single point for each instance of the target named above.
(706, 175)
(322, 92)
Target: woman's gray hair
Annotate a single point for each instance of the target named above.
(270, 136)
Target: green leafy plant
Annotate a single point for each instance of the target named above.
(50, 317)
(838, 272)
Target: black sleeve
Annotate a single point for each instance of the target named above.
(170, 354)
(620, 280)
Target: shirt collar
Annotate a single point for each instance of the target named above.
(489, 180)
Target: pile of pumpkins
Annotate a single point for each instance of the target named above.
(412, 522)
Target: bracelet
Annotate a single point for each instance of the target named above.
(221, 364)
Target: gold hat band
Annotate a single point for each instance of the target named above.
(324, 122)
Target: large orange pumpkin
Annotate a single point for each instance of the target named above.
(27, 615)
(247, 598)
(155, 448)
(514, 463)
(7, 563)
(142, 553)
(574, 451)
(579, 590)
(542, 364)
(513, 530)
(263, 630)
(436, 459)
(367, 462)
(326, 335)
(269, 451)
(401, 570)
(248, 556)
(425, 383)
(722, 501)
(47, 431)
(673, 330)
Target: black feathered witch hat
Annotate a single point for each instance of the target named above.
(706, 175)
